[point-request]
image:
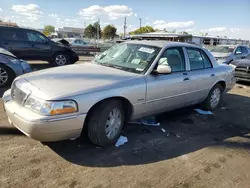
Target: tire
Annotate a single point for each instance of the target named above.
(60, 59)
(6, 76)
(99, 131)
(214, 98)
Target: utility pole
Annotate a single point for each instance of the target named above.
(125, 27)
(97, 34)
(140, 22)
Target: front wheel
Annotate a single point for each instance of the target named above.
(106, 122)
(60, 59)
(6, 76)
(214, 98)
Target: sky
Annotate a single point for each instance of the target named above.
(216, 17)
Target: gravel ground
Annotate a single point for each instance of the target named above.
(195, 151)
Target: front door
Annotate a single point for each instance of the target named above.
(167, 91)
(40, 46)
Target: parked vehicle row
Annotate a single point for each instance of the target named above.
(11, 67)
(131, 80)
(29, 44)
(228, 53)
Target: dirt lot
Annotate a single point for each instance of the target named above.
(196, 151)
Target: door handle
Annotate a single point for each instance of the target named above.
(243, 57)
(185, 79)
(212, 75)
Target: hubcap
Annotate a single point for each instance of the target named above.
(113, 123)
(3, 76)
(215, 98)
(61, 60)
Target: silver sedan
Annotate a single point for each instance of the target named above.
(131, 80)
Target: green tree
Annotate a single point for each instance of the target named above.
(109, 32)
(90, 31)
(48, 29)
(146, 29)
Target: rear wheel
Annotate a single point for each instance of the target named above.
(214, 98)
(106, 122)
(6, 76)
(60, 59)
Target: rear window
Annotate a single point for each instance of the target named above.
(12, 34)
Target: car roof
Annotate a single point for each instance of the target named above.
(161, 43)
(18, 28)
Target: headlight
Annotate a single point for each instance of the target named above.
(51, 108)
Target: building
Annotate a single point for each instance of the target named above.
(196, 39)
(69, 32)
(11, 24)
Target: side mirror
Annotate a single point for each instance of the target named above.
(163, 69)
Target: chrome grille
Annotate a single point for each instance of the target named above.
(242, 69)
(17, 94)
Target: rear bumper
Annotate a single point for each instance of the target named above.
(41, 128)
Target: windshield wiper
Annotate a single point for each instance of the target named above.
(110, 65)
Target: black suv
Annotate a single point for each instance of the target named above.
(30, 44)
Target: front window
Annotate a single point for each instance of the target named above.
(129, 57)
(36, 37)
(221, 49)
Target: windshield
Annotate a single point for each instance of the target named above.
(3, 51)
(221, 49)
(129, 57)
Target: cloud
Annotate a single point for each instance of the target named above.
(189, 30)
(113, 12)
(235, 30)
(135, 15)
(1, 10)
(53, 15)
(32, 11)
(161, 24)
(71, 20)
(214, 29)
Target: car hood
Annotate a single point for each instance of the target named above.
(242, 63)
(72, 80)
(220, 55)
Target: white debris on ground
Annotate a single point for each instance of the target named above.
(150, 121)
(121, 140)
(163, 130)
(223, 108)
(203, 112)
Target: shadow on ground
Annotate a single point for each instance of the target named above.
(186, 132)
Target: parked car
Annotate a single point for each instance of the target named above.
(10, 67)
(30, 44)
(242, 69)
(131, 80)
(76, 42)
(228, 53)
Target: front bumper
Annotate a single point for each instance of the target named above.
(42, 128)
(242, 76)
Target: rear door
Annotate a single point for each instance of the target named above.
(202, 75)
(14, 40)
(40, 46)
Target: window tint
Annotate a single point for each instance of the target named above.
(198, 59)
(12, 34)
(244, 50)
(36, 37)
(174, 58)
(77, 42)
(238, 50)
